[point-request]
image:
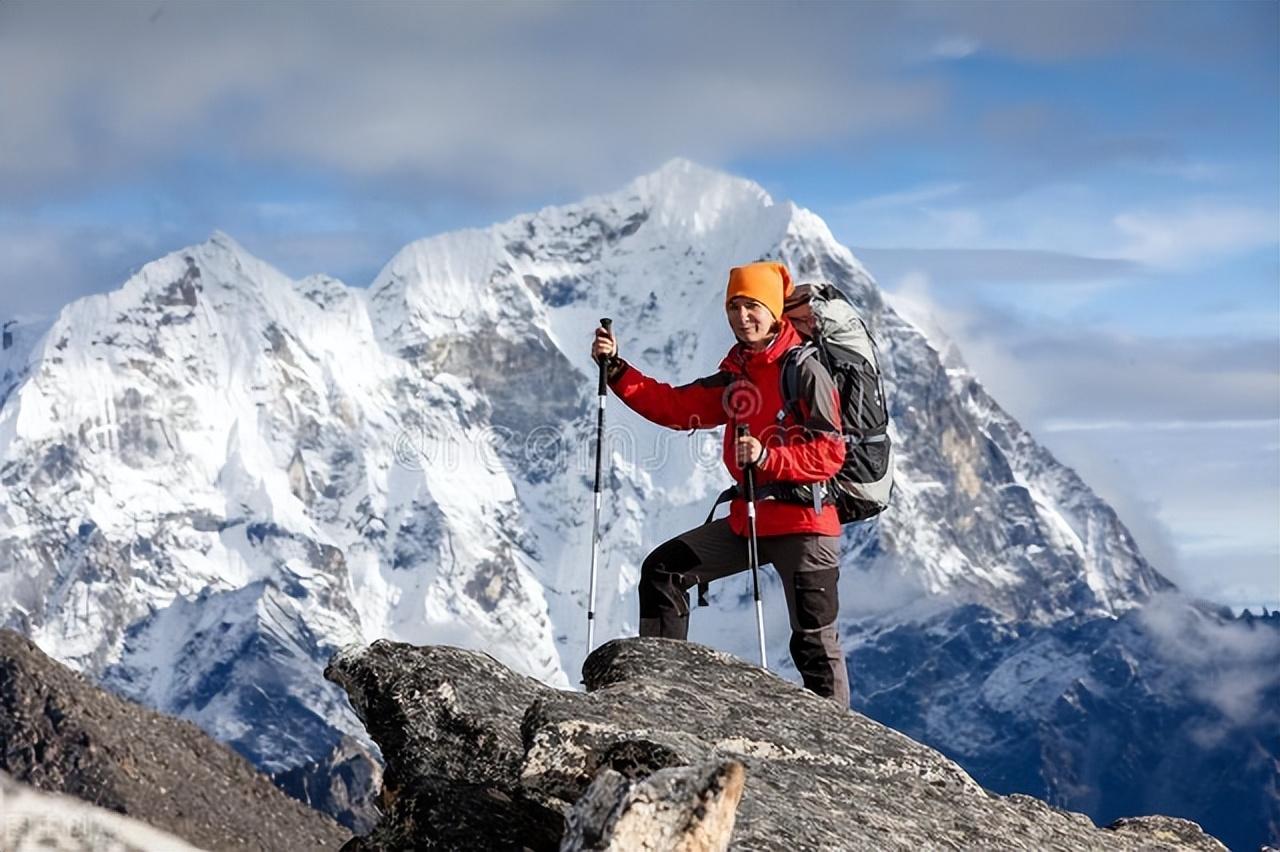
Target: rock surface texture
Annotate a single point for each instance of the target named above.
(345, 784)
(664, 734)
(61, 734)
(683, 809)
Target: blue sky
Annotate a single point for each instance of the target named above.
(1085, 197)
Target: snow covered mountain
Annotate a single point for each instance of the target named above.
(214, 476)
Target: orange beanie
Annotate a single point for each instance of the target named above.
(767, 282)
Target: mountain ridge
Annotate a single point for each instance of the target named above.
(216, 476)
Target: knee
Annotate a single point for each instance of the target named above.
(811, 646)
(664, 575)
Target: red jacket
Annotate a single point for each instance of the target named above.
(748, 390)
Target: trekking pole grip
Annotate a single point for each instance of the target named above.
(607, 325)
(748, 470)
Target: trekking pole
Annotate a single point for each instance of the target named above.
(607, 325)
(753, 552)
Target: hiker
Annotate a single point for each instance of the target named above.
(798, 446)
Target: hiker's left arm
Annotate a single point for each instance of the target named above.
(817, 452)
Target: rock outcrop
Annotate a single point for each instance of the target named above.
(683, 809)
(61, 734)
(345, 784)
(653, 755)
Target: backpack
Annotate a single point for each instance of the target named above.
(842, 343)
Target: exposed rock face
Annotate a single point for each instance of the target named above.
(448, 724)
(61, 734)
(345, 784)
(686, 809)
(455, 726)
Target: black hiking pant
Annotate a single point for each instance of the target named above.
(808, 565)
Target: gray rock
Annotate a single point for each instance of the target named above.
(686, 809)
(345, 784)
(1162, 829)
(448, 724)
(437, 711)
(817, 777)
(437, 812)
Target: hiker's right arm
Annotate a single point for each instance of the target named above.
(697, 405)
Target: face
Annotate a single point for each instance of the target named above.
(751, 321)
(801, 317)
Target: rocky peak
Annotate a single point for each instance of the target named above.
(664, 726)
(695, 201)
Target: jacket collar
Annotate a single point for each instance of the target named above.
(740, 359)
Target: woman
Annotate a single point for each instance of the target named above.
(797, 446)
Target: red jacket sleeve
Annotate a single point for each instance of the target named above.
(813, 450)
(697, 405)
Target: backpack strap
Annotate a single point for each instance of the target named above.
(724, 497)
(769, 491)
(789, 378)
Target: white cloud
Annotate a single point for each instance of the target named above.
(1195, 234)
(1229, 664)
(489, 97)
(1178, 435)
(1065, 234)
(948, 267)
(912, 198)
(506, 97)
(1072, 425)
(954, 47)
(1196, 171)
(44, 267)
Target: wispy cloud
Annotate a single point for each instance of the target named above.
(1195, 234)
(1055, 235)
(914, 197)
(533, 97)
(954, 47)
(997, 266)
(489, 97)
(43, 267)
(1227, 664)
(1270, 425)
